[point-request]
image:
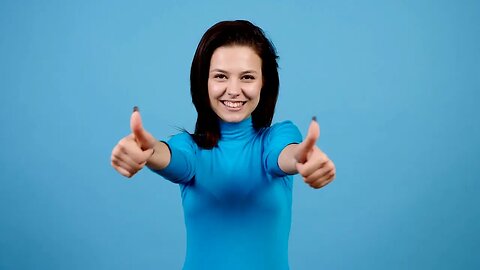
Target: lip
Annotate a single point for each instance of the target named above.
(236, 109)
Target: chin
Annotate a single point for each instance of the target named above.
(234, 118)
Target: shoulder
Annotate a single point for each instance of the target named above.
(182, 140)
(282, 128)
(281, 134)
(276, 138)
(182, 136)
(283, 124)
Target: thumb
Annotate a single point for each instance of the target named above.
(144, 139)
(307, 145)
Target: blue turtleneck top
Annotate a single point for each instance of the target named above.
(236, 199)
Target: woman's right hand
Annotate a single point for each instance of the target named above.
(133, 151)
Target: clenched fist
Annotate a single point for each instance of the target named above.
(312, 163)
(133, 151)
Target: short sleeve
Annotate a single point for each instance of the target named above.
(181, 168)
(278, 136)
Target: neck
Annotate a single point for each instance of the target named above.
(236, 130)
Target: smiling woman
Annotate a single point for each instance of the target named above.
(235, 170)
(234, 82)
(219, 41)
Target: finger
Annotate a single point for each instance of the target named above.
(323, 181)
(306, 146)
(332, 176)
(128, 146)
(140, 157)
(130, 164)
(136, 124)
(125, 165)
(320, 184)
(317, 160)
(120, 167)
(318, 174)
(123, 172)
(144, 138)
(132, 150)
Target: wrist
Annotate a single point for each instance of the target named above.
(160, 157)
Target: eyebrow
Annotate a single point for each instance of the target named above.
(226, 72)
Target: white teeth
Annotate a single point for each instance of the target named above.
(232, 104)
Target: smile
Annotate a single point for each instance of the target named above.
(233, 104)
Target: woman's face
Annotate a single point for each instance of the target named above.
(234, 82)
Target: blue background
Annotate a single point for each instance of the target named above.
(394, 84)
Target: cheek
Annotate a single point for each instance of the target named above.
(214, 90)
(253, 91)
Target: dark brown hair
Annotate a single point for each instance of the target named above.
(229, 33)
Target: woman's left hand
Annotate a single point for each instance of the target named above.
(313, 164)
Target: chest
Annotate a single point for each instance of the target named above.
(231, 182)
(232, 170)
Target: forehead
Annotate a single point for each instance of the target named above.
(235, 57)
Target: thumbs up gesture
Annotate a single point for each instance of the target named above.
(312, 163)
(132, 152)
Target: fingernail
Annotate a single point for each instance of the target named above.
(314, 118)
(135, 109)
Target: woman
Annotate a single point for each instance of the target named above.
(235, 171)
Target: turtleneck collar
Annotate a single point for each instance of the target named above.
(236, 131)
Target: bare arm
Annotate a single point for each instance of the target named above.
(160, 157)
(287, 161)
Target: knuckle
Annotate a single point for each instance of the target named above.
(139, 160)
(114, 163)
(124, 143)
(138, 167)
(121, 142)
(301, 171)
(116, 150)
(115, 157)
(131, 173)
(120, 147)
(329, 163)
(332, 165)
(123, 172)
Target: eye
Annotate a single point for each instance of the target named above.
(248, 78)
(220, 76)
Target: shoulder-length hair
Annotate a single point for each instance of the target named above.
(230, 33)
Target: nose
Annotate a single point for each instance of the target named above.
(233, 88)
